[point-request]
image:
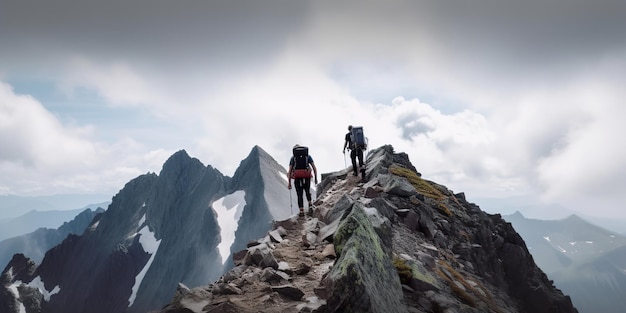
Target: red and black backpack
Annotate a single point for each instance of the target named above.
(301, 163)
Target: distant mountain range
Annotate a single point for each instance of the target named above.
(532, 207)
(38, 242)
(33, 220)
(585, 261)
(12, 206)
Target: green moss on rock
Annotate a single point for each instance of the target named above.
(363, 278)
(422, 186)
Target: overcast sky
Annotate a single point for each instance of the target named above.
(491, 98)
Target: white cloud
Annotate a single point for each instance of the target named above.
(34, 138)
(119, 83)
(590, 162)
(40, 155)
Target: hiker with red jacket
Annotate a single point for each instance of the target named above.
(300, 166)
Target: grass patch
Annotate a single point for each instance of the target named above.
(458, 291)
(404, 270)
(422, 186)
(464, 296)
(444, 209)
(461, 294)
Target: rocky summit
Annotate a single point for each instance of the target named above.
(390, 242)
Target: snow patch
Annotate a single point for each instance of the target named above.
(13, 289)
(561, 249)
(94, 226)
(229, 210)
(150, 245)
(142, 220)
(572, 243)
(282, 175)
(589, 242)
(37, 283)
(547, 238)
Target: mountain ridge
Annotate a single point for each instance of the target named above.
(458, 258)
(160, 233)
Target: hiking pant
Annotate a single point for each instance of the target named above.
(354, 153)
(303, 184)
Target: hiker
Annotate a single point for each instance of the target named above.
(356, 150)
(300, 166)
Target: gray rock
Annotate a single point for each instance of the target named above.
(363, 278)
(289, 291)
(270, 275)
(339, 209)
(309, 239)
(234, 273)
(275, 236)
(411, 220)
(327, 232)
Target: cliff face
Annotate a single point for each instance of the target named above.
(397, 243)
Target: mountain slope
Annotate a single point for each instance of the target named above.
(585, 261)
(160, 230)
(598, 285)
(568, 240)
(397, 243)
(267, 198)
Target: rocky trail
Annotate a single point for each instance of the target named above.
(298, 258)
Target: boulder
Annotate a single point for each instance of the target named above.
(363, 278)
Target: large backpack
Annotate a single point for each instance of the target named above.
(358, 138)
(301, 163)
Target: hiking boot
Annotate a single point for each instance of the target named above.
(310, 211)
(301, 212)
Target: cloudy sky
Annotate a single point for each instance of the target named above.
(491, 98)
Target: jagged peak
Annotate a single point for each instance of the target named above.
(258, 152)
(255, 158)
(178, 156)
(179, 161)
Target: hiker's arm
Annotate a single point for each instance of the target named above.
(289, 177)
(314, 171)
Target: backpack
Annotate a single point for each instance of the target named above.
(301, 163)
(358, 138)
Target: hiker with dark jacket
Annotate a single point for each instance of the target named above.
(300, 166)
(355, 151)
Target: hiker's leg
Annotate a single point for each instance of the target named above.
(360, 154)
(307, 189)
(353, 158)
(299, 184)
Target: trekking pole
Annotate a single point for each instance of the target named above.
(345, 164)
(367, 145)
(290, 202)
